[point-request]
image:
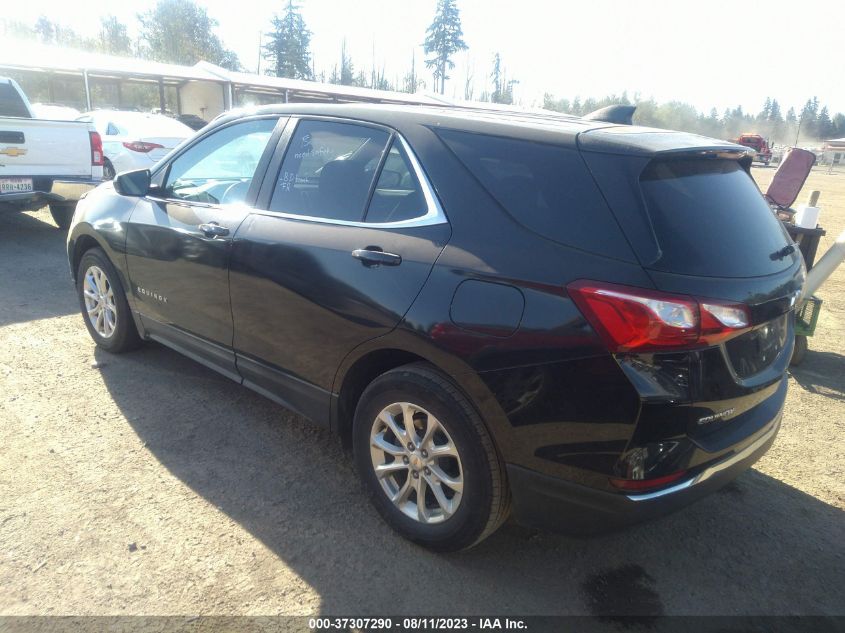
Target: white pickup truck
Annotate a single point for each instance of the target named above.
(44, 162)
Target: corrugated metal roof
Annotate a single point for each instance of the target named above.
(28, 55)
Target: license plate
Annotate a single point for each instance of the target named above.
(15, 185)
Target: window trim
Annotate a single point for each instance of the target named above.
(434, 211)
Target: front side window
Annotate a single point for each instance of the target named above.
(328, 170)
(219, 168)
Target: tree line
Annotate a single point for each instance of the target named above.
(813, 123)
(182, 32)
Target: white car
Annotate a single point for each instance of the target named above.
(54, 112)
(135, 140)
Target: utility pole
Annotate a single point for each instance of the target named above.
(258, 70)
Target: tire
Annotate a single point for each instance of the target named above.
(800, 350)
(62, 215)
(484, 499)
(108, 170)
(122, 336)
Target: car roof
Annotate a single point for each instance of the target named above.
(533, 125)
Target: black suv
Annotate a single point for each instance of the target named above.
(583, 323)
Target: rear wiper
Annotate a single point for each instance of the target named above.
(786, 250)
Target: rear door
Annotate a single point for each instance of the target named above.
(350, 231)
(179, 239)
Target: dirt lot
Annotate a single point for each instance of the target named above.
(146, 484)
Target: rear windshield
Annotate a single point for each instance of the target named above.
(710, 220)
(546, 188)
(11, 103)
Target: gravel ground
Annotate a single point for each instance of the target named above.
(147, 484)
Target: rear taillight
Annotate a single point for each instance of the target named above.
(142, 146)
(635, 319)
(96, 149)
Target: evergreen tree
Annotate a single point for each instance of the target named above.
(824, 126)
(45, 30)
(347, 70)
(766, 111)
(181, 32)
(113, 36)
(411, 81)
(444, 38)
(288, 47)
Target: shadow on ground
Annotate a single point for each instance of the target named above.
(822, 373)
(756, 547)
(33, 250)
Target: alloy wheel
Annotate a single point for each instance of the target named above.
(99, 301)
(416, 463)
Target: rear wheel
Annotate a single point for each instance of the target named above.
(108, 170)
(800, 350)
(62, 214)
(103, 303)
(427, 460)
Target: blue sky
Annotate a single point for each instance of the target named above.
(709, 53)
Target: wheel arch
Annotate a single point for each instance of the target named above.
(81, 244)
(376, 357)
(354, 380)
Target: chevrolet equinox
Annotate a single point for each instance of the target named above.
(579, 323)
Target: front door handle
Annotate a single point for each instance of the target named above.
(374, 256)
(212, 229)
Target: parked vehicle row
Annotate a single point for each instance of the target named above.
(53, 154)
(135, 140)
(579, 323)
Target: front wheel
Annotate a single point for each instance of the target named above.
(427, 460)
(103, 303)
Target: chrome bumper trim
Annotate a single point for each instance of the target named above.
(710, 471)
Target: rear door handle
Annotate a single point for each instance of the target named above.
(374, 256)
(212, 229)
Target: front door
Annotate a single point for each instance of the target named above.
(349, 237)
(179, 241)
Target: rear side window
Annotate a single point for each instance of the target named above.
(546, 188)
(328, 170)
(710, 220)
(11, 103)
(398, 195)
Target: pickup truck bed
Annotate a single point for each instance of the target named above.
(44, 162)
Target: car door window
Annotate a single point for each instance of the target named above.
(219, 168)
(328, 170)
(398, 195)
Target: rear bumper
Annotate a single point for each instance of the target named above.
(61, 191)
(557, 505)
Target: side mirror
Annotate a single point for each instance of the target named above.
(133, 183)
